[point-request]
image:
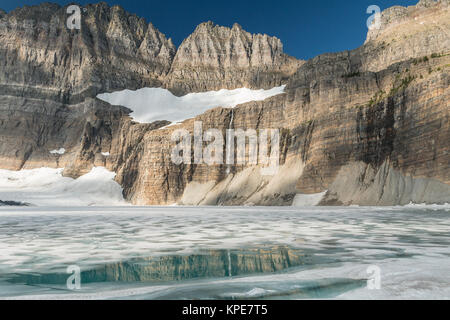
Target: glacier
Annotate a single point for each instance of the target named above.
(153, 104)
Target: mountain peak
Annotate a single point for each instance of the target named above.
(237, 26)
(216, 53)
(207, 25)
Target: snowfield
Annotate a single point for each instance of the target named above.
(153, 104)
(48, 187)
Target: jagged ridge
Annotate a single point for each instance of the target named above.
(380, 111)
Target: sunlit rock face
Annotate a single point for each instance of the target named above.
(49, 76)
(413, 31)
(215, 57)
(383, 105)
(112, 50)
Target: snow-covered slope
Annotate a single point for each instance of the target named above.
(47, 187)
(308, 200)
(152, 104)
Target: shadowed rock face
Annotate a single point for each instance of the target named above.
(381, 109)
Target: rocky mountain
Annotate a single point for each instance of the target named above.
(214, 57)
(42, 58)
(368, 126)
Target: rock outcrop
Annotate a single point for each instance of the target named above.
(215, 57)
(369, 126)
(42, 58)
(410, 32)
(50, 75)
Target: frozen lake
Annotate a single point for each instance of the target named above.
(225, 253)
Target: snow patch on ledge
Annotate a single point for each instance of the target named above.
(60, 151)
(48, 187)
(308, 200)
(153, 104)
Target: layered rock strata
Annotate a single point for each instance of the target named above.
(368, 126)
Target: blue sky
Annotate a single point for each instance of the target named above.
(306, 28)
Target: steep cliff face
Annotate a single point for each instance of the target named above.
(50, 75)
(400, 116)
(369, 126)
(42, 58)
(384, 110)
(214, 57)
(414, 31)
(31, 129)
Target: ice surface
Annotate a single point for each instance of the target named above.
(411, 246)
(152, 104)
(48, 187)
